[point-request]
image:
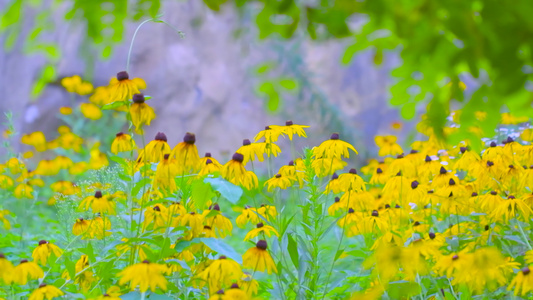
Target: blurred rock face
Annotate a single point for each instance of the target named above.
(205, 82)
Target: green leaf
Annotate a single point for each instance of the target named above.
(222, 248)
(201, 192)
(288, 84)
(293, 250)
(139, 185)
(409, 110)
(227, 189)
(115, 104)
(402, 289)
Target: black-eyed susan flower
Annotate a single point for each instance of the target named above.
(279, 181)
(141, 113)
(98, 203)
(333, 148)
(271, 135)
(156, 218)
(99, 227)
(155, 150)
(186, 154)
(4, 220)
(290, 129)
(165, 174)
(248, 215)
(261, 228)
(219, 223)
(23, 190)
(337, 207)
(26, 270)
(145, 275)
(209, 168)
(235, 292)
(292, 171)
(387, 145)
(6, 269)
(122, 143)
(351, 181)
(203, 160)
(258, 259)
(91, 111)
(6, 182)
(45, 291)
(327, 166)
(44, 250)
(268, 212)
(248, 284)
(234, 171)
(195, 223)
(221, 272)
(47, 167)
(251, 151)
(522, 283)
(81, 227)
(510, 209)
(65, 110)
(405, 166)
(36, 139)
(123, 88)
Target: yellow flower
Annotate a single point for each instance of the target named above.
(157, 216)
(291, 129)
(155, 150)
(186, 154)
(91, 111)
(250, 285)
(6, 182)
(251, 151)
(351, 181)
(81, 227)
(508, 209)
(258, 258)
(267, 211)
(210, 167)
(221, 272)
(71, 83)
(122, 88)
(333, 148)
(65, 110)
(294, 172)
(260, 228)
(3, 214)
(15, 166)
(282, 182)
(98, 203)
(248, 214)
(522, 283)
(235, 293)
(327, 166)
(44, 250)
(222, 226)
(270, 134)
(122, 143)
(101, 96)
(23, 191)
(25, 271)
(387, 145)
(6, 269)
(234, 171)
(45, 291)
(144, 275)
(35, 139)
(141, 113)
(194, 221)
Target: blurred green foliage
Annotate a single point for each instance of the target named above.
(440, 44)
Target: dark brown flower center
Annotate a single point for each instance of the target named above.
(238, 157)
(138, 98)
(261, 244)
(122, 75)
(160, 137)
(289, 123)
(119, 134)
(189, 138)
(246, 142)
(334, 136)
(98, 194)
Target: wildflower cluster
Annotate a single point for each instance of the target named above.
(441, 221)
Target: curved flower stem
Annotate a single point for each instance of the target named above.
(155, 20)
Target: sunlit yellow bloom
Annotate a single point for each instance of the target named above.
(71, 83)
(23, 191)
(351, 181)
(258, 259)
(508, 209)
(522, 283)
(144, 275)
(268, 212)
(141, 113)
(91, 111)
(26, 270)
(6, 269)
(122, 143)
(6, 182)
(65, 110)
(509, 119)
(234, 171)
(35, 139)
(387, 145)
(122, 88)
(78, 168)
(248, 284)
(221, 272)
(45, 291)
(186, 154)
(248, 214)
(327, 166)
(44, 250)
(194, 221)
(210, 167)
(221, 225)
(101, 96)
(260, 228)
(278, 181)
(155, 150)
(14, 165)
(47, 167)
(81, 227)
(156, 216)
(333, 148)
(139, 247)
(98, 159)
(271, 135)
(403, 166)
(291, 129)
(62, 162)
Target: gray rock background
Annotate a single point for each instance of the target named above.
(205, 83)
